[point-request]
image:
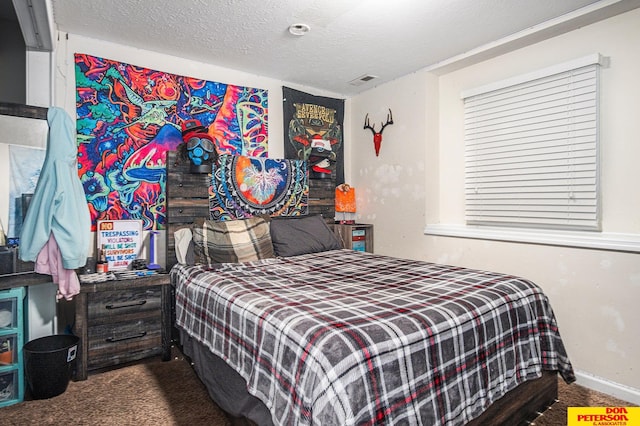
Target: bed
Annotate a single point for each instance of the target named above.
(314, 334)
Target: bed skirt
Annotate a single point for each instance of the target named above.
(225, 386)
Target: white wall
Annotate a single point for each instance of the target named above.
(594, 293)
(390, 188)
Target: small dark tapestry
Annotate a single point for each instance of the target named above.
(313, 127)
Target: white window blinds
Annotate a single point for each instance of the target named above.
(531, 157)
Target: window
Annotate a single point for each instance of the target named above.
(531, 156)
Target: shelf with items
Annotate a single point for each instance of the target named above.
(358, 236)
(11, 343)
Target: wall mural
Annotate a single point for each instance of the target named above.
(129, 117)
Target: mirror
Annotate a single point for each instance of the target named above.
(23, 142)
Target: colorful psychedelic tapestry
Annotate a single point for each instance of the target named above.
(242, 187)
(314, 129)
(129, 117)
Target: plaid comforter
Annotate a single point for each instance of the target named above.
(343, 337)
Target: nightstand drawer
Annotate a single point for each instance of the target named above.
(115, 305)
(114, 343)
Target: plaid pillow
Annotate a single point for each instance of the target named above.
(232, 241)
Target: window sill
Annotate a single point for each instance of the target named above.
(590, 240)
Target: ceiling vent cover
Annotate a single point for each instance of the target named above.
(362, 80)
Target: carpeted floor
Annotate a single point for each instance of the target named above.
(169, 393)
(148, 393)
(575, 396)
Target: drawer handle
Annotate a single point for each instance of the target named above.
(119, 339)
(126, 305)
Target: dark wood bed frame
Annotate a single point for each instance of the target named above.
(188, 199)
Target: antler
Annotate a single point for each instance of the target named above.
(389, 121)
(367, 124)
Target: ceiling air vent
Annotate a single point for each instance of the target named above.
(362, 80)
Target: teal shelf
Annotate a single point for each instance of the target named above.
(11, 344)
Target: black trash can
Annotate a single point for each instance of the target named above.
(48, 364)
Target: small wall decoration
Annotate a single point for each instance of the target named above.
(198, 146)
(377, 136)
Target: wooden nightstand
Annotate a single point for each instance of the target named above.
(358, 236)
(121, 321)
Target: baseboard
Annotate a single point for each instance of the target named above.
(623, 392)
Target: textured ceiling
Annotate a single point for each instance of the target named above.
(348, 38)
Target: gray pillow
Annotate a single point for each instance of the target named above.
(292, 236)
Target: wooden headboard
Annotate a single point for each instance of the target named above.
(188, 199)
